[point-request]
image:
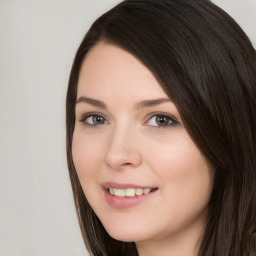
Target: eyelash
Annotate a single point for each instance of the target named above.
(171, 120)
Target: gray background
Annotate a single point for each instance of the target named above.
(38, 40)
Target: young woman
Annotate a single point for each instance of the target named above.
(161, 132)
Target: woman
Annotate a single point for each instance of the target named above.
(161, 140)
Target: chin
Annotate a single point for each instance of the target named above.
(126, 234)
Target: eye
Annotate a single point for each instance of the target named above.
(161, 121)
(94, 120)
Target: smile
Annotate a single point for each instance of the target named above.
(123, 196)
(130, 192)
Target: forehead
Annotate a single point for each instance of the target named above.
(108, 67)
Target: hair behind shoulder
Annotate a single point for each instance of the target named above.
(207, 65)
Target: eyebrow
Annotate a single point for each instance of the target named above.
(96, 103)
(141, 104)
(152, 103)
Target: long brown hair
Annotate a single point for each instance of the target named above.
(207, 65)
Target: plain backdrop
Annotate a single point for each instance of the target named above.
(38, 41)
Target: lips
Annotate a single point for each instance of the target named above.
(126, 195)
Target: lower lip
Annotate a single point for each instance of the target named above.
(126, 202)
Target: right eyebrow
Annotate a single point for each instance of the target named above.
(96, 103)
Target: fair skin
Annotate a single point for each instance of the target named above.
(128, 134)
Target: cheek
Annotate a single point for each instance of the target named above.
(178, 158)
(186, 177)
(87, 155)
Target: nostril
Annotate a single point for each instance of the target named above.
(126, 164)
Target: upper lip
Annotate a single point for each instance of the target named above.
(107, 185)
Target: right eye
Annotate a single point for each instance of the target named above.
(94, 120)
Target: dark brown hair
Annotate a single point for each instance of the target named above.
(207, 66)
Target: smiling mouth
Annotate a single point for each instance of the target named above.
(130, 192)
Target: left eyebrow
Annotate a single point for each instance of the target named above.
(152, 103)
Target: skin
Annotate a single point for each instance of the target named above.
(130, 146)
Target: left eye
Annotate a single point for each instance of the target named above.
(161, 121)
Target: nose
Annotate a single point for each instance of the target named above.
(124, 150)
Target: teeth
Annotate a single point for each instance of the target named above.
(129, 192)
(146, 191)
(111, 191)
(119, 192)
(139, 191)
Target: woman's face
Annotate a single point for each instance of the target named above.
(139, 169)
